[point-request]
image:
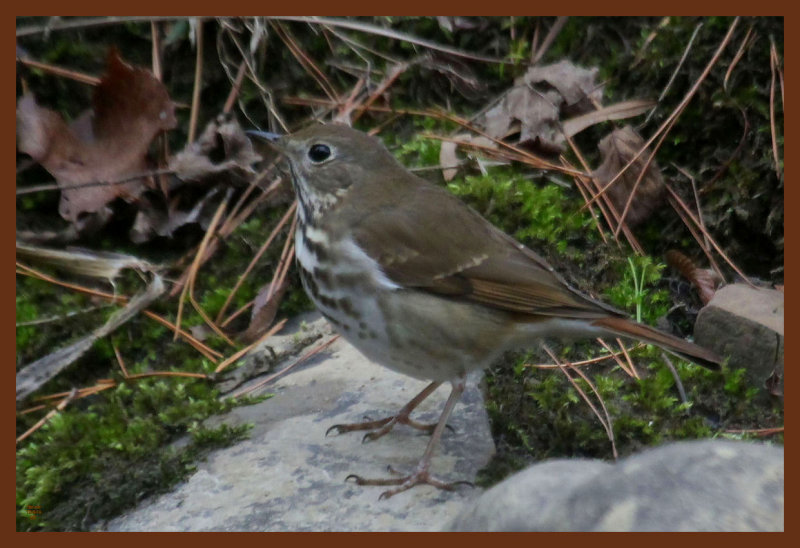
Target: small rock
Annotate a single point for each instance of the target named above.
(710, 485)
(746, 324)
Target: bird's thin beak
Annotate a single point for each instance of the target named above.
(272, 138)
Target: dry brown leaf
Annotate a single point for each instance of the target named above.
(617, 149)
(534, 115)
(538, 101)
(107, 143)
(221, 157)
(575, 85)
(152, 220)
(222, 148)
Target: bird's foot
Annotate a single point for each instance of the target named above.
(381, 427)
(420, 477)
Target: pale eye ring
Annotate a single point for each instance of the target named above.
(319, 152)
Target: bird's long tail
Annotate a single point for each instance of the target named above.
(670, 343)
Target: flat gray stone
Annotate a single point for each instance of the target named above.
(708, 485)
(512, 504)
(290, 477)
(746, 324)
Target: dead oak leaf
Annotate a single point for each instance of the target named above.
(576, 85)
(222, 150)
(535, 106)
(617, 149)
(107, 143)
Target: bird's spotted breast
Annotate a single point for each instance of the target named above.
(344, 284)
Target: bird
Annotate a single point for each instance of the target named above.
(421, 283)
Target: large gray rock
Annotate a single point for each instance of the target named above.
(290, 477)
(688, 486)
(746, 324)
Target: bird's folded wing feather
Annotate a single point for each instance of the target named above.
(453, 251)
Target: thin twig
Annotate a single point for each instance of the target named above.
(606, 205)
(122, 180)
(522, 155)
(76, 23)
(120, 361)
(629, 371)
(60, 407)
(519, 156)
(192, 270)
(396, 35)
(62, 72)
(773, 63)
(155, 38)
(343, 117)
(583, 362)
(390, 78)
(105, 384)
(609, 426)
(210, 354)
(168, 374)
(535, 39)
(198, 81)
(274, 329)
(674, 74)
(711, 240)
(237, 86)
(676, 377)
(700, 218)
(605, 422)
(255, 260)
(305, 61)
(760, 432)
(736, 58)
(700, 239)
(188, 289)
(536, 55)
(284, 262)
(649, 40)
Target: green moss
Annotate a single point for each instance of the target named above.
(91, 461)
(538, 414)
(532, 211)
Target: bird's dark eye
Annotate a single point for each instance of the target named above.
(319, 153)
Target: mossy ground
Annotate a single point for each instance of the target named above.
(103, 453)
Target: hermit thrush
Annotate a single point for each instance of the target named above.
(421, 283)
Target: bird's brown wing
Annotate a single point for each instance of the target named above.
(453, 251)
